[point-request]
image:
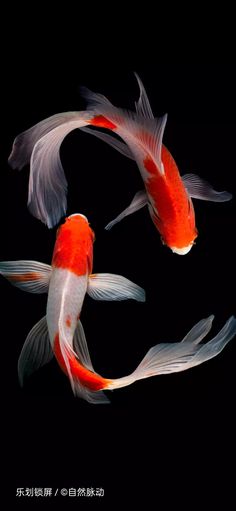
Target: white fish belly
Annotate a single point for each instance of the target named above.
(65, 300)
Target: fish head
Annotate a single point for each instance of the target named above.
(182, 250)
(77, 217)
(76, 223)
(178, 237)
(74, 244)
(181, 236)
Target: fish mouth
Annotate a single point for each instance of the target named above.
(183, 250)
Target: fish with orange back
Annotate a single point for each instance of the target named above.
(167, 194)
(67, 281)
(60, 332)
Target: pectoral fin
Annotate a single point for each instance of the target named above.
(106, 286)
(198, 188)
(30, 276)
(139, 201)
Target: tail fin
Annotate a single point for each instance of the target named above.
(41, 145)
(121, 147)
(24, 143)
(161, 359)
(175, 357)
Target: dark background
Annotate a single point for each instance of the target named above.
(137, 444)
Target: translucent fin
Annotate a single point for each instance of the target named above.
(30, 276)
(36, 351)
(67, 353)
(121, 147)
(151, 137)
(47, 183)
(82, 354)
(139, 201)
(142, 131)
(81, 347)
(212, 348)
(94, 98)
(198, 188)
(24, 143)
(94, 397)
(143, 106)
(106, 286)
(175, 357)
(199, 331)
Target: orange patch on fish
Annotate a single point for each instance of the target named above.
(175, 221)
(68, 321)
(87, 378)
(23, 277)
(150, 165)
(102, 122)
(74, 246)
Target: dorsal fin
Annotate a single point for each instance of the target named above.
(148, 131)
(143, 106)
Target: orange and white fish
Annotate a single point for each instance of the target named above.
(167, 195)
(60, 332)
(67, 281)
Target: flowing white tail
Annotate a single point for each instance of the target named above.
(178, 356)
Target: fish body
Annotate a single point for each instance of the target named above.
(166, 193)
(168, 201)
(169, 204)
(67, 280)
(71, 268)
